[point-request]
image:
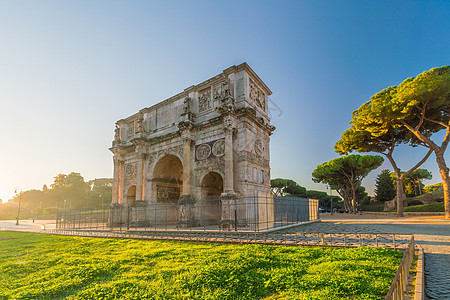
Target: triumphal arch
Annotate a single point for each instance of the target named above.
(210, 141)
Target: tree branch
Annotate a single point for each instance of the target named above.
(424, 159)
(421, 137)
(422, 115)
(446, 140)
(437, 122)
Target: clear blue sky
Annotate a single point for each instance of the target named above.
(70, 69)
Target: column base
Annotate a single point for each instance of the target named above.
(229, 211)
(229, 193)
(139, 214)
(186, 215)
(117, 215)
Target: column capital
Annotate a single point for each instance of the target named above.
(229, 123)
(185, 126)
(142, 155)
(141, 147)
(118, 158)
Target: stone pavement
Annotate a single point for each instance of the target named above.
(432, 233)
(27, 225)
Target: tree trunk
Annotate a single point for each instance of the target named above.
(401, 196)
(400, 183)
(353, 201)
(347, 204)
(443, 169)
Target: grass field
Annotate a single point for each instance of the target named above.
(433, 207)
(36, 266)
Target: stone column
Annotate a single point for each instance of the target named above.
(186, 136)
(228, 197)
(228, 182)
(116, 182)
(120, 182)
(115, 218)
(140, 177)
(138, 208)
(186, 214)
(187, 165)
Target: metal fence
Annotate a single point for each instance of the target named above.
(346, 240)
(400, 281)
(237, 213)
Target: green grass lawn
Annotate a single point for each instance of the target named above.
(37, 266)
(433, 207)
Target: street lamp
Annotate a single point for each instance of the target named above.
(103, 205)
(331, 199)
(18, 189)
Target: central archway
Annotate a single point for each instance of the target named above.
(212, 188)
(168, 179)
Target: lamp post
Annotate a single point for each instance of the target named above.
(18, 189)
(331, 199)
(101, 197)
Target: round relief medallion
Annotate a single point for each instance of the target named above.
(203, 151)
(129, 170)
(258, 147)
(218, 149)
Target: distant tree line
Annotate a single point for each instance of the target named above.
(288, 187)
(69, 191)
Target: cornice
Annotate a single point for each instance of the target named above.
(250, 113)
(246, 67)
(195, 88)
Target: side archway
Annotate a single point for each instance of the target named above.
(212, 185)
(212, 188)
(131, 195)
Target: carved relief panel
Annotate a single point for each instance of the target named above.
(210, 149)
(257, 96)
(130, 130)
(204, 100)
(130, 171)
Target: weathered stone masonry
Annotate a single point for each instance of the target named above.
(210, 140)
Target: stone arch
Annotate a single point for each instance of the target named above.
(155, 159)
(167, 179)
(212, 188)
(131, 194)
(212, 185)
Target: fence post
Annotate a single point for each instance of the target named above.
(235, 216)
(128, 217)
(395, 246)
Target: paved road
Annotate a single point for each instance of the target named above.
(430, 232)
(27, 225)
